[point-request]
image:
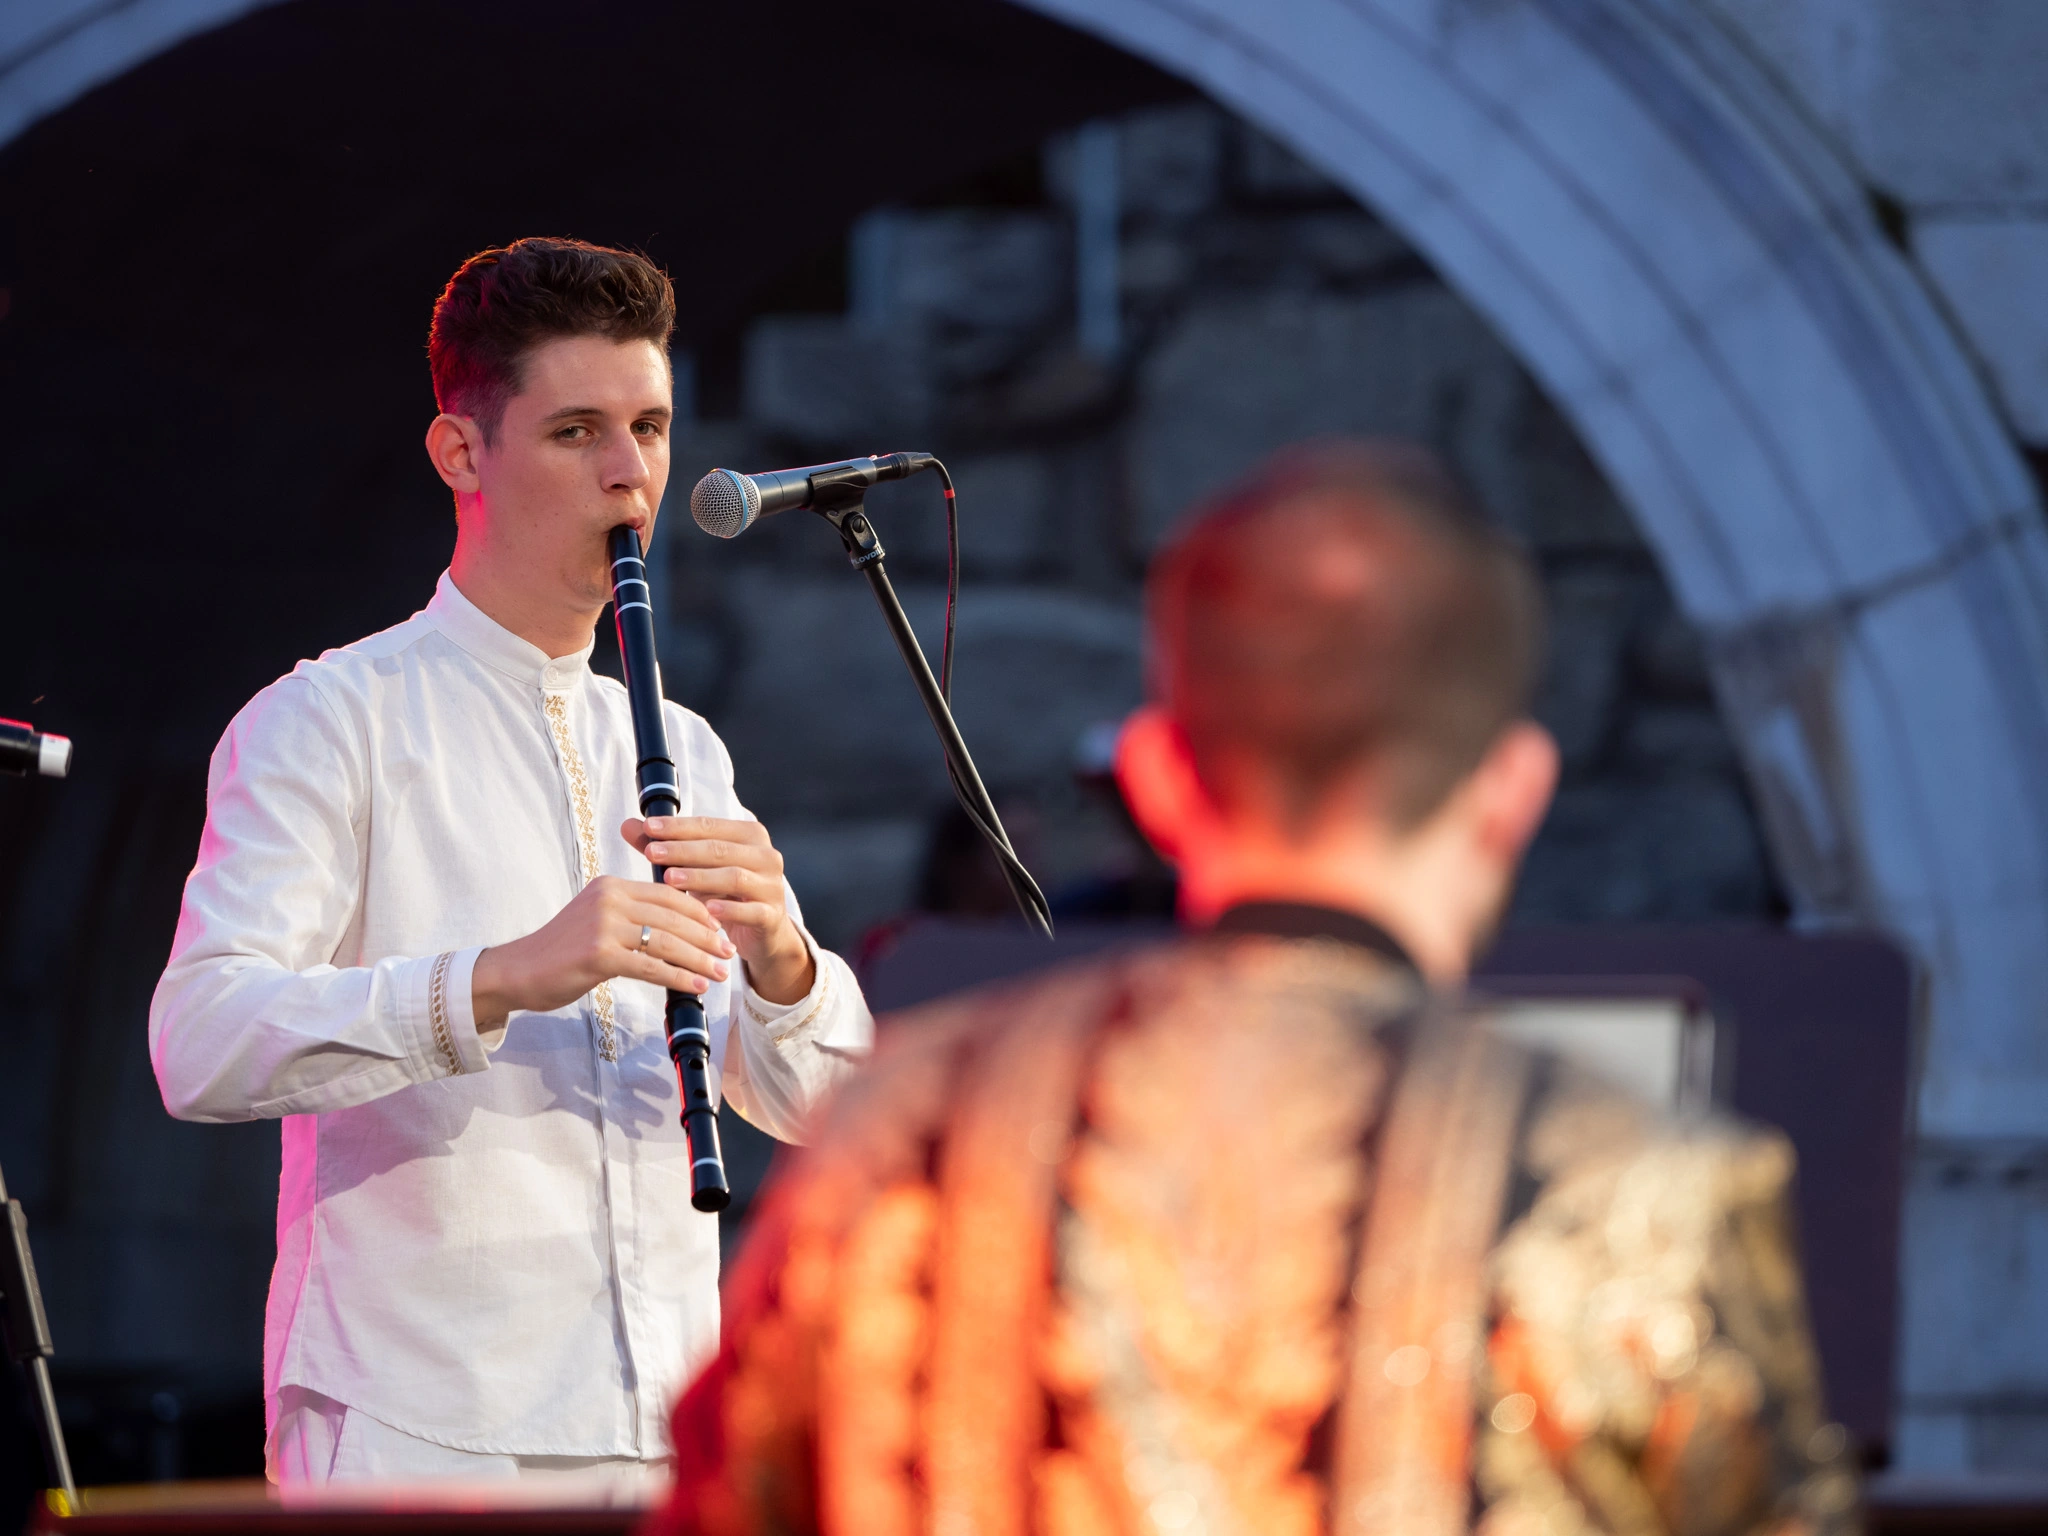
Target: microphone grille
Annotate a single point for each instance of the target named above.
(725, 504)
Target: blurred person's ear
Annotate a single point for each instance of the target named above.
(1504, 800)
(1155, 770)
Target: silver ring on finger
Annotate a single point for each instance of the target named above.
(646, 936)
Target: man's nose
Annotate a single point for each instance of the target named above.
(625, 466)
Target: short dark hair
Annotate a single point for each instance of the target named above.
(1347, 604)
(500, 304)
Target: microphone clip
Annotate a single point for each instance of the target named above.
(849, 520)
(839, 495)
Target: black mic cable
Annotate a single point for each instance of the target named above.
(689, 1040)
(1023, 889)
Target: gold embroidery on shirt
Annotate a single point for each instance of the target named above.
(557, 707)
(437, 1011)
(824, 991)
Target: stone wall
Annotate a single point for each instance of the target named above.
(1259, 306)
(1939, 108)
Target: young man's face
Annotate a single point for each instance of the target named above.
(583, 447)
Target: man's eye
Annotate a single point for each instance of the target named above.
(648, 428)
(568, 433)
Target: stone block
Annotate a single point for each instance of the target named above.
(1990, 274)
(1268, 169)
(1975, 1298)
(1170, 161)
(825, 722)
(979, 285)
(1004, 501)
(1675, 740)
(1984, 1067)
(1928, 1444)
(1056, 388)
(1038, 666)
(818, 379)
(822, 720)
(1154, 266)
(1236, 379)
(1593, 609)
(1667, 659)
(1927, 643)
(2008, 1438)
(1940, 104)
(1269, 252)
(1542, 484)
(1347, 245)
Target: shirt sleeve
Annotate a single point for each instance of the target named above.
(1651, 1355)
(781, 1060)
(251, 1019)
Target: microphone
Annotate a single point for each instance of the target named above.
(725, 502)
(25, 750)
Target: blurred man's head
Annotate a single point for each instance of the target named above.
(1342, 655)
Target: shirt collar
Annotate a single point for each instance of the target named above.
(1302, 920)
(496, 646)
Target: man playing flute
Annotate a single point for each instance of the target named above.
(423, 933)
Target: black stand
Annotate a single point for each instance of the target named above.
(842, 507)
(28, 1339)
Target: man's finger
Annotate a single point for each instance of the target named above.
(647, 902)
(747, 914)
(679, 954)
(693, 924)
(674, 977)
(733, 882)
(688, 829)
(712, 853)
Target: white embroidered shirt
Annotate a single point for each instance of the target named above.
(484, 1239)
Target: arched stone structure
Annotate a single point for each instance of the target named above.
(53, 53)
(1700, 284)
(1660, 233)
(1671, 246)
(1706, 293)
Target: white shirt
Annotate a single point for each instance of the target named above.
(483, 1239)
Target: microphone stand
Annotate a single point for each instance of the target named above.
(839, 497)
(28, 1339)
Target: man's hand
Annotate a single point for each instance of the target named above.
(596, 937)
(735, 871)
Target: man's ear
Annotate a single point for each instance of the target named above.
(1513, 786)
(1155, 769)
(453, 444)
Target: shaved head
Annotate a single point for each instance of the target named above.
(1345, 610)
